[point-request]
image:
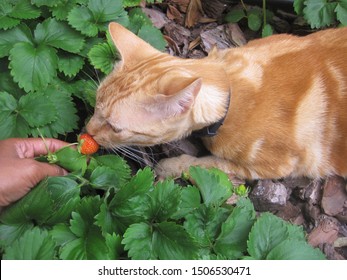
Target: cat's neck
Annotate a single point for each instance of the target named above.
(213, 99)
(210, 106)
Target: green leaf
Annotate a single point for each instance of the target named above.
(267, 232)
(210, 186)
(114, 245)
(15, 35)
(81, 18)
(33, 67)
(131, 3)
(50, 202)
(86, 91)
(164, 201)
(37, 109)
(6, 21)
(61, 10)
(105, 10)
(34, 244)
(8, 104)
(12, 11)
(11, 123)
(319, 13)
(204, 224)
(299, 6)
(131, 203)
(61, 234)
(295, 232)
(138, 242)
(235, 15)
(66, 122)
(232, 241)
(94, 18)
(108, 222)
(84, 216)
(71, 160)
(138, 19)
(117, 163)
(267, 30)
(90, 243)
(341, 12)
(73, 250)
(140, 184)
(90, 42)
(23, 9)
(295, 250)
(190, 201)
(70, 64)
(65, 196)
(59, 35)
(103, 56)
(8, 85)
(11, 233)
(153, 36)
(172, 242)
(104, 177)
(49, 3)
(254, 21)
(35, 206)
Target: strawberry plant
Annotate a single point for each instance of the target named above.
(257, 18)
(48, 52)
(322, 13)
(99, 211)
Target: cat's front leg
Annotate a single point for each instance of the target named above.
(174, 167)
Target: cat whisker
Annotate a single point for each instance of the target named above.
(149, 155)
(97, 76)
(125, 151)
(92, 78)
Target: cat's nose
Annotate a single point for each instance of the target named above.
(89, 129)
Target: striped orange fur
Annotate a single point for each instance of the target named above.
(287, 113)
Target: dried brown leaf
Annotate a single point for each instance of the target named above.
(182, 5)
(194, 13)
(174, 14)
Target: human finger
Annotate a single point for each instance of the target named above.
(32, 147)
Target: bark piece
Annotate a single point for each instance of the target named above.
(325, 233)
(334, 200)
(214, 8)
(180, 35)
(158, 18)
(269, 196)
(223, 37)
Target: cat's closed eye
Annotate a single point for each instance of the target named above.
(113, 127)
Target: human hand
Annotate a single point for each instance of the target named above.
(19, 171)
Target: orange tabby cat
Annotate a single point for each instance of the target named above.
(287, 111)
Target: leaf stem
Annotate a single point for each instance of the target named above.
(44, 141)
(264, 13)
(82, 181)
(243, 5)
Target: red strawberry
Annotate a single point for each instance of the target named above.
(87, 145)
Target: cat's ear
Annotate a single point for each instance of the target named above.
(176, 94)
(130, 46)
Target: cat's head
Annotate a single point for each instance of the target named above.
(146, 99)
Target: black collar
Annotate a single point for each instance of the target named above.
(211, 130)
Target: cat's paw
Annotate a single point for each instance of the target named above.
(173, 167)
